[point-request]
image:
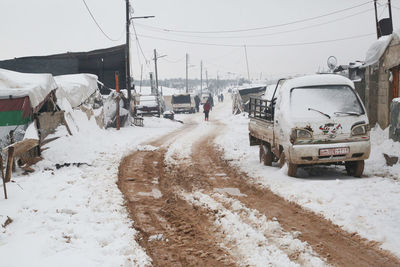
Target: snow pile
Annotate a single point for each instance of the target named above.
(381, 144)
(76, 88)
(369, 206)
(17, 84)
(70, 211)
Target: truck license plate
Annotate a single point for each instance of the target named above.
(334, 151)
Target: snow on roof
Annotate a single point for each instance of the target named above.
(318, 79)
(17, 84)
(377, 49)
(76, 88)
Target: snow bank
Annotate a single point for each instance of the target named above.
(17, 84)
(76, 88)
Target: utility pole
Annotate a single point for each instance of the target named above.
(207, 79)
(141, 76)
(127, 55)
(187, 66)
(201, 77)
(127, 49)
(155, 67)
(247, 63)
(386, 27)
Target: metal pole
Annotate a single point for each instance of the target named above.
(141, 77)
(187, 66)
(390, 12)
(155, 67)
(201, 77)
(247, 63)
(117, 90)
(378, 32)
(127, 55)
(207, 79)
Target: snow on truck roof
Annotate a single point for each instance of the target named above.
(316, 80)
(17, 84)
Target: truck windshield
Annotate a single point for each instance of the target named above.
(333, 100)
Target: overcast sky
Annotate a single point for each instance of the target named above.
(45, 27)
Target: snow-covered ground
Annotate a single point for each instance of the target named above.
(74, 215)
(369, 206)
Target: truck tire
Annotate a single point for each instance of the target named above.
(266, 156)
(355, 168)
(292, 169)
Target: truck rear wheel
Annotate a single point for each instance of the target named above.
(265, 154)
(355, 168)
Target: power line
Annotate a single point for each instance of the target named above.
(260, 35)
(259, 45)
(138, 42)
(98, 25)
(267, 27)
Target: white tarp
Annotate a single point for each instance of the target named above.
(76, 88)
(17, 84)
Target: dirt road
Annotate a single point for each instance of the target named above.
(192, 208)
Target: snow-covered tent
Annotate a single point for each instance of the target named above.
(76, 88)
(22, 94)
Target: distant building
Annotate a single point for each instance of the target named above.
(103, 62)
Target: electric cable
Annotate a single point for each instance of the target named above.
(259, 45)
(259, 35)
(98, 25)
(270, 26)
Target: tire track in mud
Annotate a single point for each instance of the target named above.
(328, 240)
(173, 232)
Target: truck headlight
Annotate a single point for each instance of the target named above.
(303, 134)
(359, 130)
(300, 134)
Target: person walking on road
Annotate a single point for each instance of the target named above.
(197, 102)
(206, 110)
(211, 101)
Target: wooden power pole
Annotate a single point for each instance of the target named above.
(201, 77)
(187, 67)
(155, 69)
(127, 55)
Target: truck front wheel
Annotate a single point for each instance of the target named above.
(292, 169)
(266, 156)
(355, 168)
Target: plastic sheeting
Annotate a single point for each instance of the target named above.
(18, 85)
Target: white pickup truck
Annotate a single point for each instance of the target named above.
(316, 119)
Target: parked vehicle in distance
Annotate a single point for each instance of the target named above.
(317, 119)
(204, 97)
(150, 105)
(182, 103)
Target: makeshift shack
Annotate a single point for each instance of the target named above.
(241, 98)
(381, 67)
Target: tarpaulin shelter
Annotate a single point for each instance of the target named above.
(23, 94)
